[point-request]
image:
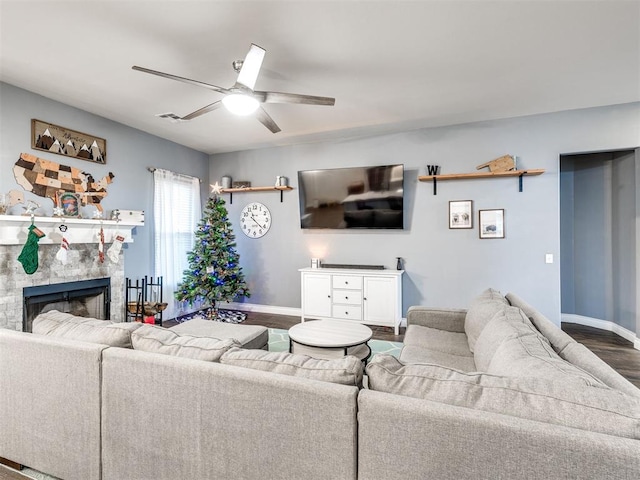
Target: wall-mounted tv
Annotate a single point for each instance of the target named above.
(356, 197)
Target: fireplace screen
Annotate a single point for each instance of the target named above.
(87, 298)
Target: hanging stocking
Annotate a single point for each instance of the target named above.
(29, 255)
(101, 246)
(64, 246)
(114, 249)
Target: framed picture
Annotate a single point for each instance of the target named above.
(491, 223)
(461, 214)
(69, 203)
(62, 141)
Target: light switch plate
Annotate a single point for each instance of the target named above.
(548, 258)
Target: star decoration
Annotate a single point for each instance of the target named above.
(216, 188)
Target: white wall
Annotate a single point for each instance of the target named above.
(129, 153)
(443, 267)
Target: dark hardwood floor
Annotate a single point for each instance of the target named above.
(610, 347)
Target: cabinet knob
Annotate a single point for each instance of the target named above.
(346, 313)
(346, 283)
(365, 298)
(346, 298)
(328, 296)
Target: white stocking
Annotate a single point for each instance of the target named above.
(63, 252)
(114, 249)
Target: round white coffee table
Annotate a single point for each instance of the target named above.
(330, 339)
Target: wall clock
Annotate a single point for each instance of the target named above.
(255, 220)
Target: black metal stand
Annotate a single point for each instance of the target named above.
(140, 297)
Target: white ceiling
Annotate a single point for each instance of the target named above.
(391, 65)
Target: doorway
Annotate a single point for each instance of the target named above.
(599, 233)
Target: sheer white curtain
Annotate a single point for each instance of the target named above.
(176, 213)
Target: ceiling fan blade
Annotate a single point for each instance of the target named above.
(251, 66)
(181, 79)
(279, 97)
(201, 111)
(264, 118)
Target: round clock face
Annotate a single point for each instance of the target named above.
(255, 220)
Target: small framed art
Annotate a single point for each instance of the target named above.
(491, 223)
(69, 203)
(461, 214)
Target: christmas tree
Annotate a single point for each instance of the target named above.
(214, 272)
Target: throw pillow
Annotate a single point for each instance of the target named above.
(510, 322)
(150, 338)
(533, 356)
(587, 408)
(480, 312)
(65, 325)
(347, 370)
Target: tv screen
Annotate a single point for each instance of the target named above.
(356, 197)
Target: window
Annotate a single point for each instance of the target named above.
(177, 211)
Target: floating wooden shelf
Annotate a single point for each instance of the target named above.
(231, 191)
(463, 176)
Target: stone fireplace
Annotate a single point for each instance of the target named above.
(83, 265)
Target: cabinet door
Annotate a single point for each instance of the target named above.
(380, 300)
(316, 295)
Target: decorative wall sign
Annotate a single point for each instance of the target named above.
(241, 184)
(491, 224)
(461, 214)
(53, 138)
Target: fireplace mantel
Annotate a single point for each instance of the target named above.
(14, 229)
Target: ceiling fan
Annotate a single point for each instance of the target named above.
(241, 98)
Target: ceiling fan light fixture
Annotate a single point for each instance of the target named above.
(240, 104)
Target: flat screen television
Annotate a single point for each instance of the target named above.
(356, 197)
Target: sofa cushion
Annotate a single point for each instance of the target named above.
(454, 343)
(415, 354)
(532, 356)
(65, 325)
(510, 322)
(588, 408)
(346, 370)
(249, 336)
(481, 311)
(150, 338)
(557, 338)
(582, 357)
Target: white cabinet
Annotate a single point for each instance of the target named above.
(373, 297)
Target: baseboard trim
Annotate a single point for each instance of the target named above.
(254, 307)
(291, 311)
(602, 325)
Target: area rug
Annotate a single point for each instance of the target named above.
(227, 316)
(279, 342)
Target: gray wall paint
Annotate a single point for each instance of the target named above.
(443, 267)
(129, 153)
(598, 236)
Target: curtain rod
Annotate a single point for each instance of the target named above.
(153, 169)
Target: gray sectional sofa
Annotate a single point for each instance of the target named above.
(493, 391)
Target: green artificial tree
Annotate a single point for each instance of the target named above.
(214, 273)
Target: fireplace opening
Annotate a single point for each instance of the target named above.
(86, 298)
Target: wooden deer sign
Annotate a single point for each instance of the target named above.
(506, 163)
